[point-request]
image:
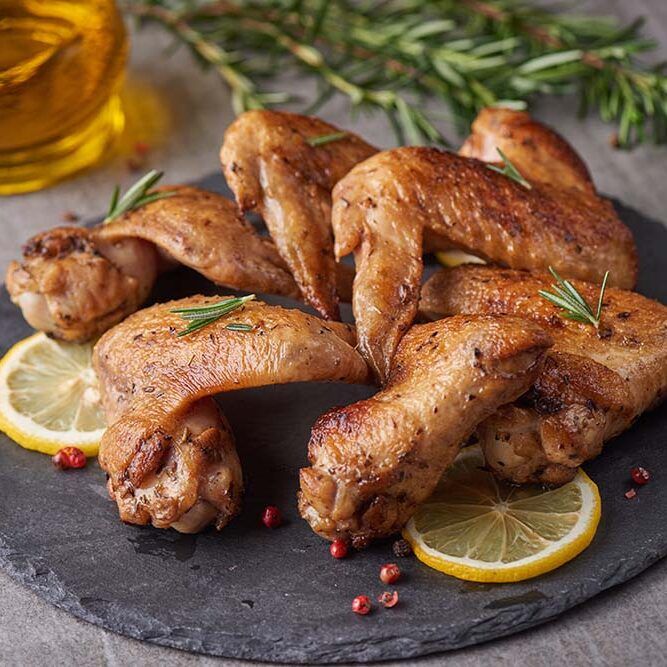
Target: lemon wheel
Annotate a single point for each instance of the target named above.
(49, 397)
(476, 528)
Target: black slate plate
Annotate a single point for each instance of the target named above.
(277, 595)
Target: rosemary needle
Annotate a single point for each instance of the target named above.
(509, 170)
(239, 326)
(201, 316)
(138, 195)
(326, 138)
(573, 305)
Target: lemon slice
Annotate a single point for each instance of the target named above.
(49, 397)
(476, 528)
(452, 258)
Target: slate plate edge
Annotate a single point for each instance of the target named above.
(31, 573)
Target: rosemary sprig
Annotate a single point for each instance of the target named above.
(509, 170)
(388, 56)
(573, 305)
(201, 316)
(138, 195)
(326, 138)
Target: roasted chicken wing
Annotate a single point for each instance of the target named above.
(168, 452)
(594, 383)
(374, 461)
(533, 148)
(274, 170)
(74, 283)
(385, 205)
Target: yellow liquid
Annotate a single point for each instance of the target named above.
(61, 66)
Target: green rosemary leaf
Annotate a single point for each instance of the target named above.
(199, 317)
(573, 305)
(195, 326)
(598, 312)
(239, 326)
(326, 138)
(114, 201)
(138, 195)
(509, 170)
(571, 292)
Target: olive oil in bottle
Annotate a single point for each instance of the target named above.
(61, 66)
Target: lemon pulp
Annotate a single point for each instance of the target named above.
(477, 528)
(49, 397)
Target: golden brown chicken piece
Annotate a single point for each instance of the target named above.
(168, 452)
(72, 287)
(537, 151)
(274, 170)
(594, 383)
(74, 283)
(374, 461)
(383, 206)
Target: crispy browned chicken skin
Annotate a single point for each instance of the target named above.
(74, 283)
(385, 205)
(534, 149)
(274, 171)
(594, 383)
(168, 452)
(374, 461)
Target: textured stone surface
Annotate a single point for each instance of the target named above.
(277, 595)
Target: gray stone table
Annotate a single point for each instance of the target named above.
(626, 625)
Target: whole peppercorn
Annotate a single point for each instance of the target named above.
(361, 605)
(69, 457)
(640, 475)
(390, 573)
(401, 548)
(272, 517)
(338, 548)
(388, 600)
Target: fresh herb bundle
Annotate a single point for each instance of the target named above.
(389, 55)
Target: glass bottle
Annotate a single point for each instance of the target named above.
(61, 67)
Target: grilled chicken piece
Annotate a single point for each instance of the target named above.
(594, 383)
(168, 452)
(274, 171)
(73, 287)
(385, 205)
(537, 151)
(374, 461)
(75, 283)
